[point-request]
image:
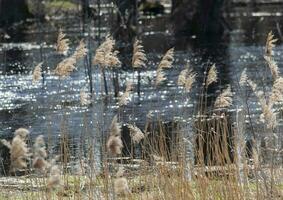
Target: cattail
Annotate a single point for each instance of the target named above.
(54, 180)
(167, 60)
(37, 73)
(65, 67)
(244, 78)
(80, 51)
(136, 134)
(84, 98)
(272, 66)
(18, 149)
(114, 143)
(40, 154)
(212, 75)
(224, 100)
(62, 43)
(270, 44)
(139, 57)
(125, 98)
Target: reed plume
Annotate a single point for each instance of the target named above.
(139, 57)
(62, 43)
(182, 77)
(121, 184)
(277, 90)
(105, 56)
(270, 44)
(125, 98)
(224, 100)
(136, 134)
(272, 66)
(19, 152)
(37, 73)
(212, 75)
(167, 60)
(65, 67)
(54, 179)
(40, 154)
(244, 78)
(114, 143)
(84, 98)
(165, 63)
(80, 51)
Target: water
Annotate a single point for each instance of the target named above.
(44, 107)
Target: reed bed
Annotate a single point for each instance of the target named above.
(160, 160)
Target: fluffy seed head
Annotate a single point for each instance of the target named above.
(62, 43)
(37, 72)
(212, 75)
(224, 100)
(244, 78)
(81, 50)
(160, 76)
(105, 56)
(65, 67)
(84, 98)
(270, 44)
(121, 186)
(115, 128)
(272, 66)
(139, 57)
(54, 180)
(182, 77)
(114, 144)
(167, 60)
(136, 134)
(125, 98)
